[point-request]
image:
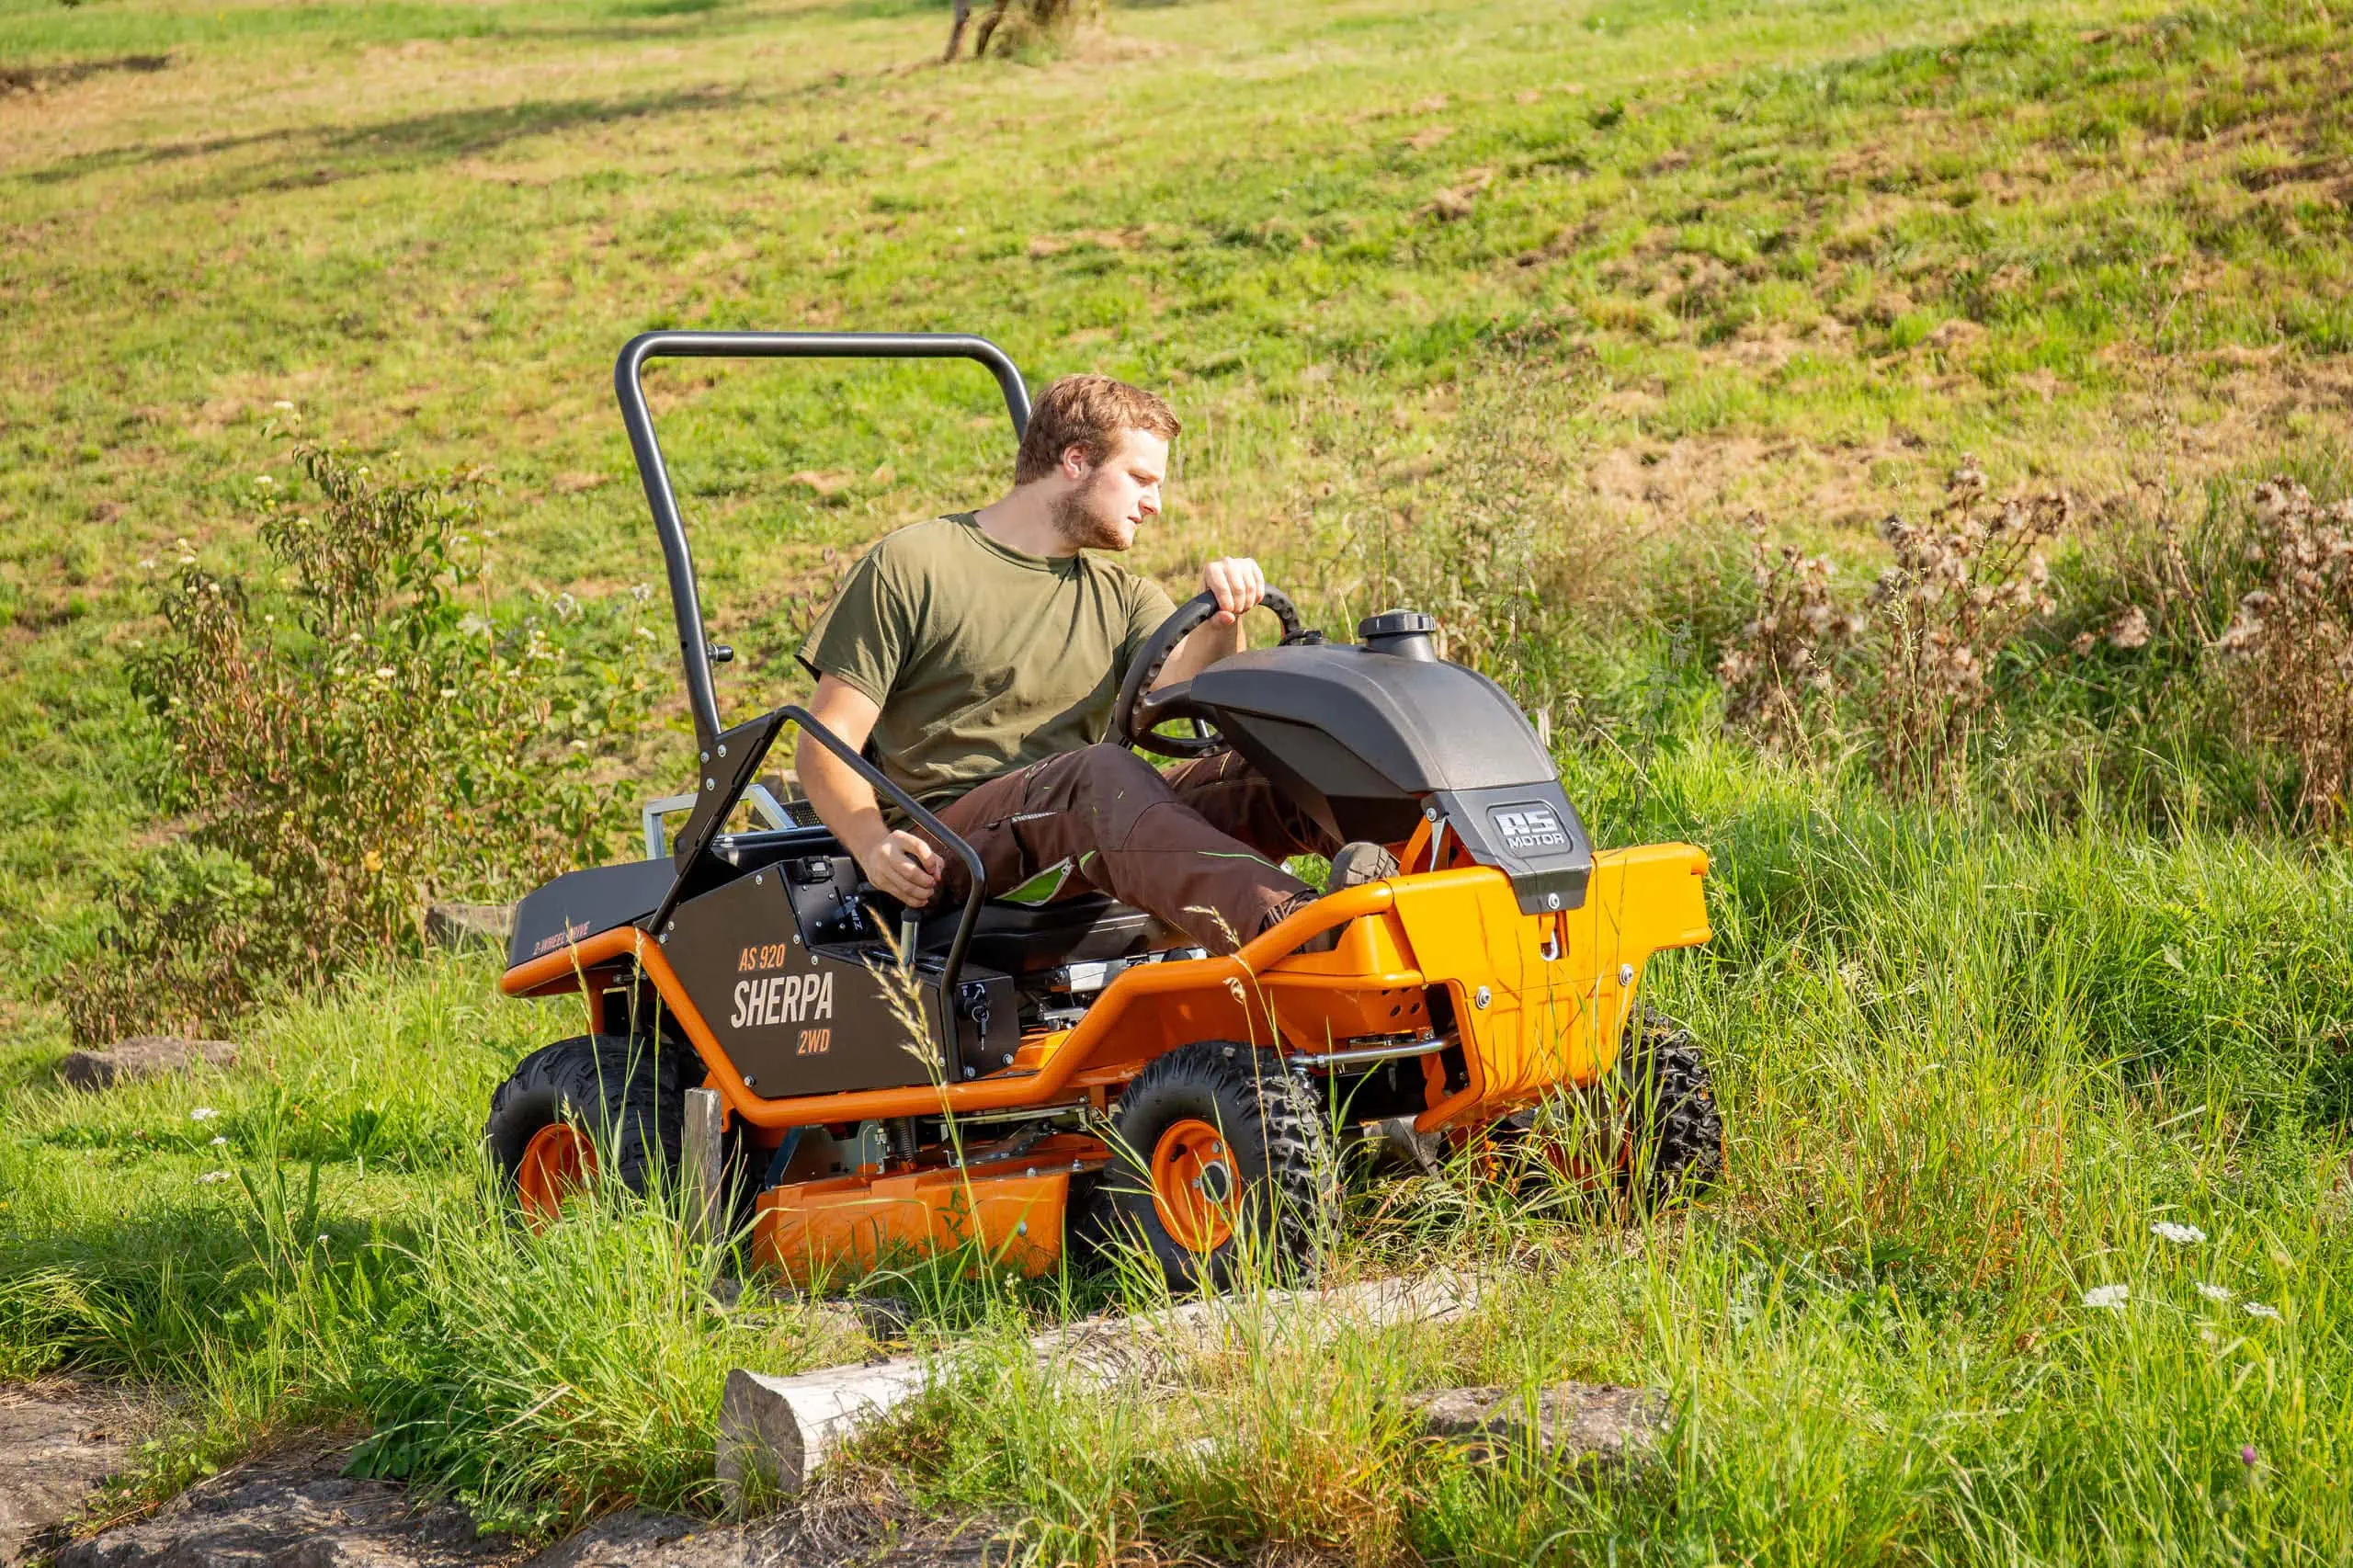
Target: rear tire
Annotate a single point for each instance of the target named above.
(625, 1096)
(1218, 1164)
(1677, 1134)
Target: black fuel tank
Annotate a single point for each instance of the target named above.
(1366, 740)
(1371, 734)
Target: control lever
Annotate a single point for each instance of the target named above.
(907, 924)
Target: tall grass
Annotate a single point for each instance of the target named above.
(340, 1259)
(1966, 1067)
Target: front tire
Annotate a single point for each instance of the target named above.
(583, 1105)
(1219, 1164)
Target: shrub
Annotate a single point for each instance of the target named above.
(371, 735)
(2288, 652)
(1479, 523)
(1960, 590)
(1916, 657)
(1782, 669)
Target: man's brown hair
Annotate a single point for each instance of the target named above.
(1088, 412)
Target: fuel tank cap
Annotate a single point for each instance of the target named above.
(1402, 632)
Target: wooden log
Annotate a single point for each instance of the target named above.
(456, 925)
(700, 1168)
(775, 1433)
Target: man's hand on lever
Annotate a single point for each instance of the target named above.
(901, 864)
(1237, 585)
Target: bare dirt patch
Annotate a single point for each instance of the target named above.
(33, 78)
(298, 1507)
(1702, 476)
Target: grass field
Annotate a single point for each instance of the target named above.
(1513, 309)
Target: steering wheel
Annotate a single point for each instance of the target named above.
(1140, 711)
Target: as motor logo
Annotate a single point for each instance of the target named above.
(1531, 827)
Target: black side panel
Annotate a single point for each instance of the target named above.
(987, 1017)
(794, 1021)
(1532, 834)
(1333, 783)
(581, 904)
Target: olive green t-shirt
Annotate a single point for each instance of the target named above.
(983, 659)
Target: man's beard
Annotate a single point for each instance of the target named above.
(1078, 518)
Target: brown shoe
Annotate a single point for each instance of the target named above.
(1356, 863)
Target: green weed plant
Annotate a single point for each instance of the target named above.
(351, 737)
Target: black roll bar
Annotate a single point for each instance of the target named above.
(930, 824)
(685, 601)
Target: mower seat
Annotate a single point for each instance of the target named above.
(1023, 939)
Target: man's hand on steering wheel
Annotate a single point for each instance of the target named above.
(1162, 668)
(1238, 585)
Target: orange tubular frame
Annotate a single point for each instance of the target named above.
(1060, 1058)
(1539, 1000)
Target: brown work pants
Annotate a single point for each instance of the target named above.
(1201, 844)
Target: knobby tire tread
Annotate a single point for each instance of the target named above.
(1682, 1130)
(1261, 1104)
(628, 1095)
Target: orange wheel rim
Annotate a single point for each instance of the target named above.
(1195, 1186)
(558, 1162)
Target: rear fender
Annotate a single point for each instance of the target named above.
(1542, 1001)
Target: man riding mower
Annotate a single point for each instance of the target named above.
(1014, 983)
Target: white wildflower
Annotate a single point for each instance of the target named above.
(2214, 1292)
(202, 1113)
(264, 479)
(384, 672)
(219, 1139)
(2258, 1310)
(2179, 1235)
(208, 1177)
(2107, 1295)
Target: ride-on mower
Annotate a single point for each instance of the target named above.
(1008, 1075)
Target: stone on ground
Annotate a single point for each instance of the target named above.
(639, 1539)
(142, 1056)
(300, 1509)
(1586, 1425)
(296, 1510)
(469, 925)
(57, 1440)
